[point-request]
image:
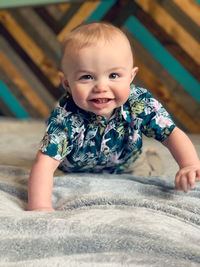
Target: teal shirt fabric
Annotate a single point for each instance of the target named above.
(85, 142)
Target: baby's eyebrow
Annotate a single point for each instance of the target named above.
(113, 69)
(83, 71)
(117, 69)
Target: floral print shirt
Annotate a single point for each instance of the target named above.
(85, 142)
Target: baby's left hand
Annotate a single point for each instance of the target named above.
(186, 177)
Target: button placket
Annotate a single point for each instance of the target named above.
(105, 149)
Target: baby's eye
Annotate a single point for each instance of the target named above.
(113, 76)
(86, 77)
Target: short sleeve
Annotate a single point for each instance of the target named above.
(157, 123)
(55, 142)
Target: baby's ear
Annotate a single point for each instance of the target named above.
(134, 72)
(64, 81)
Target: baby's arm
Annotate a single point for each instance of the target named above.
(185, 154)
(41, 183)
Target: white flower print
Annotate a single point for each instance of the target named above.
(163, 121)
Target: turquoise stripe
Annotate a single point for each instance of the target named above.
(11, 102)
(101, 10)
(190, 84)
(59, 54)
(198, 1)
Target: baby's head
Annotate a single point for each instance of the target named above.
(88, 34)
(97, 65)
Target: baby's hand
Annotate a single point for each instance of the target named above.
(186, 177)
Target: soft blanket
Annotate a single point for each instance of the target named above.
(100, 220)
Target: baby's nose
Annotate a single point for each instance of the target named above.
(100, 87)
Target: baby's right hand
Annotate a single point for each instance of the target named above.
(186, 177)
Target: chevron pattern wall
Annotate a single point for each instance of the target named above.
(165, 35)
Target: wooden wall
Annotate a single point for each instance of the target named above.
(165, 35)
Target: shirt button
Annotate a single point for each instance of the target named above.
(99, 118)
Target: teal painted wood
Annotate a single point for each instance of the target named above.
(12, 102)
(182, 76)
(28, 76)
(165, 78)
(101, 10)
(18, 3)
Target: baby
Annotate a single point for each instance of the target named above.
(99, 123)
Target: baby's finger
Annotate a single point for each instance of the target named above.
(184, 183)
(191, 179)
(198, 175)
(177, 181)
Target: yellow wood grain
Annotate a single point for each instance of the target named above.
(23, 86)
(171, 26)
(167, 99)
(84, 11)
(35, 53)
(191, 8)
(64, 7)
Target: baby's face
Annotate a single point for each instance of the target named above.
(99, 76)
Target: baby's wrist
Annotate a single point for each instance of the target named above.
(40, 209)
(189, 164)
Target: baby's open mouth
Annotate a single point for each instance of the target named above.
(100, 100)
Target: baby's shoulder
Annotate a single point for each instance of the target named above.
(141, 102)
(138, 93)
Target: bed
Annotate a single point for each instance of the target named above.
(100, 219)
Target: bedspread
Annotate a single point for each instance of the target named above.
(100, 220)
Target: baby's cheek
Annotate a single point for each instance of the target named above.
(78, 97)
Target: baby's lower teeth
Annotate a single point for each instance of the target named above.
(102, 100)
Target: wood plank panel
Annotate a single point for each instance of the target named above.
(69, 14)
(35, 29)
(37, 25)
(182, 18)
(28, 75)
(174, 88)
(23, 86)
(29, 46)
(191, 8)
(14, 90)
(84, 11)
(30, 64)
(184, 39)
(101, 10)
(64, 7)
(42, 25)
(48, 19)
(11, 102)
(55, 11)
(167, 99)
(183, 77)
(119, 12)
(4, 110)
(168, 42)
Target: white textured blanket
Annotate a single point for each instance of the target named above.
(101, 220)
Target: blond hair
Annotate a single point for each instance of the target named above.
(90, 33)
